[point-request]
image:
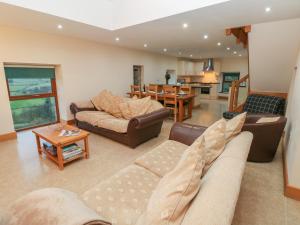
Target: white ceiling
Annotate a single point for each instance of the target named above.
(166, 32)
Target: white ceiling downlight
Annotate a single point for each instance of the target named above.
(268, 9)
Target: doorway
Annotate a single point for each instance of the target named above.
(138, 75)
(33, 96)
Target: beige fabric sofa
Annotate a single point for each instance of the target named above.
(123, 198)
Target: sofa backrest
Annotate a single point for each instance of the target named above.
(219, 191)
(264, 104)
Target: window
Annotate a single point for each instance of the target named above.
(227, 80)
(32, 95)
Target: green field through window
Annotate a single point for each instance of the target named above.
(32, 96)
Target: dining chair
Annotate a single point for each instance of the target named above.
(186, 89)
(136, 90)
(152, 91)
(170, 100)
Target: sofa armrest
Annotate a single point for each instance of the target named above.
(53, 204)
(75, 108)
(149, 119)
(186, 133)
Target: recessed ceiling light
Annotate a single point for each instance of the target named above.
(191, 55)
(165, 49)
(240, 55)
(235, 52)
(205, 36)
(117, 39)
(185, 25)
(145, 45)
(59, 26)
(219, 44)
(228, 48)
(268, 9)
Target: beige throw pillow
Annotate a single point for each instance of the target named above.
(234, 126)
(103, 100)
(135, 108)
(109, 103)
(215, 141)
(175, 191)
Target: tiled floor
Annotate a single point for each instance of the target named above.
(261, 201)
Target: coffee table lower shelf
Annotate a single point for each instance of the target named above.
(55, 158)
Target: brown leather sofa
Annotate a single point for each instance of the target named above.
(266, 137)
(140, 129)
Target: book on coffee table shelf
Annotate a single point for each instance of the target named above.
(68, 151)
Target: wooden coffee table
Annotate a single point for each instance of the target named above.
(51, 135)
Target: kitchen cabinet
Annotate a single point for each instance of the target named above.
(185, 67)
(198, 68)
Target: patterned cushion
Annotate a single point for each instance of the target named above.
(93, 117)
(261, 104)
(163, 158)
(115, 124)
(172, 196)
(264, 104)
(122, 198)
(135, 108)
(229, 115)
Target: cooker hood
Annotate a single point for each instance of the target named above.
(208, 65)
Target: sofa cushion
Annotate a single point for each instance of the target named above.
(214, 137)
(216, 200)
(123, 197)
(108, 102)
(51, 206)
(135, 108)
(234, 126)
(92, 117)
(84, 104)
(116, 124)
(163, 158)
(102, 100)
(217, 197)
(170, 200)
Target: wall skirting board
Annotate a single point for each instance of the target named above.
(289, 191)
(8, 136)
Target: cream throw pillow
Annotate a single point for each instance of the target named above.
(215, 141)
(103, 100)
(109, 103)
(135, 108)
(175, 191)
(234, 126)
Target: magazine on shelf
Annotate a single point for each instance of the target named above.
(68, 151)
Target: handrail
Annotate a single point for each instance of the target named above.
(234, 93)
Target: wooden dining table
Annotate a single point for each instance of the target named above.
(186, 98)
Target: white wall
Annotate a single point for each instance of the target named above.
(293, 130)
(235, 65)
(85, 67)
(273, 48)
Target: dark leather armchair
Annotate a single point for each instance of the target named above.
(266, 137)
(260, 104)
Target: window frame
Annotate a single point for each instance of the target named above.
(228, 82)
(34, 96)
